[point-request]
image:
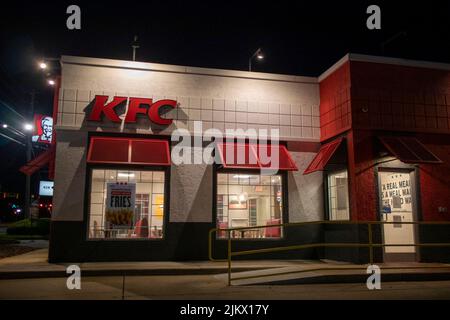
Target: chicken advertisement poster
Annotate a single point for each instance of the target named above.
(120, 203)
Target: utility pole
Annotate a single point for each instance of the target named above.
(135, 45)
(391, 39)
(258, 54)
(28, 144)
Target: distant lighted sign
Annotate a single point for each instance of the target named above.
(6, 195)
(43, 129)
(46, 188)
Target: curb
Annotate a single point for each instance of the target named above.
(10, 275)
(357, 278)
(316, 279)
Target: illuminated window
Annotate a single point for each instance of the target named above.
(248, 200)
(126, 204)
(338, 204)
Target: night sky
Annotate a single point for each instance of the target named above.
(297, 37)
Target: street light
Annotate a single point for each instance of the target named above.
(45, 65)
(49, 69)
(258, 54)
(5, 126)
(46, 62)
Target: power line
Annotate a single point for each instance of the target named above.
(11, 139)
(12, 89)
(15, 131)
(12, 110)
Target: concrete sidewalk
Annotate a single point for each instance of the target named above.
(34, 265)
(333, 273)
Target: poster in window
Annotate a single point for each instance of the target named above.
(395, 192)
(120, 202)
(386, 208)
(159, 202)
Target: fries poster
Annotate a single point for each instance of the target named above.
(120, 202)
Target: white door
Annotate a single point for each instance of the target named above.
(397, 205)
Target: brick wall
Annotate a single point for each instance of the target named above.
(393, 97)
(335, 112)
(435, 179)
(363, 196)
(408, 99)
(365, 98)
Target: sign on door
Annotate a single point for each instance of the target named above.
(397, 207)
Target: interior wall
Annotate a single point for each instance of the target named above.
(263, 210)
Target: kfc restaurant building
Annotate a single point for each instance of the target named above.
(367, 140)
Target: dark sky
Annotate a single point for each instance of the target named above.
(298, 37)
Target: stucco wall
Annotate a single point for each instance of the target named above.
(222, 99)
(219, 98)
(305, 191)
(191, 192)
(70, 175)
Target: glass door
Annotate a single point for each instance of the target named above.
(397, 206)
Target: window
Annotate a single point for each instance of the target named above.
(338, 205)
(247, 200)
(126, 204)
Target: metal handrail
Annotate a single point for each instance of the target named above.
(369, 245)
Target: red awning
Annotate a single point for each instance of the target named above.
(40, 161)
(323, 156)
(242, 155)
(252, 156)
(409, 150)
(129, 151)
(285, 161)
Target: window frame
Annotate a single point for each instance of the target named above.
(217, 169)
(327, 194)
(87, 199)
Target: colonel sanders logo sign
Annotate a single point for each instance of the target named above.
(44, 129)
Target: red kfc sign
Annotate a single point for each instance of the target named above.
(136, 106)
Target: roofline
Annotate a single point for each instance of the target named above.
(383, 60)
(145, 66)
(334, 67)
